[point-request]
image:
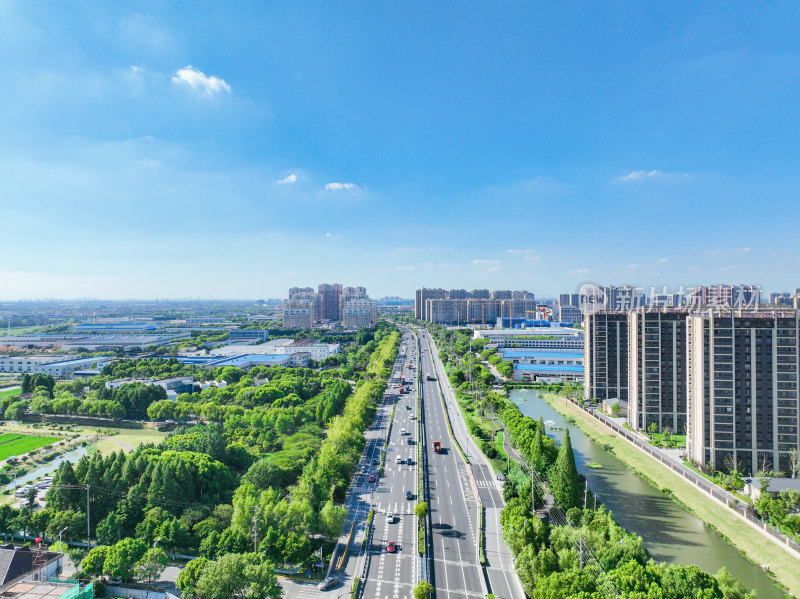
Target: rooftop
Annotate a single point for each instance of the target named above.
(532, 353)
(549, 367)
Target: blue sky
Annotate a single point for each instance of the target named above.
(165, 149)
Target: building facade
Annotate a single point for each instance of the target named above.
(657, 369)
(360, 312)
(742, 377)
(298, 318)
(606, 355)
(330, 294)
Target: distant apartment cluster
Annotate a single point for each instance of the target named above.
(724, 374)
(331, 302)
(479, 306)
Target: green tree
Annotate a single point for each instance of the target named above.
(732, 588)
(564, 478)
(239, 575)
(94, 561)
(331, 519)
(423, 590)
(421, 510)
(16, 410)
(187, 579)
(151, 565)
(122, 558)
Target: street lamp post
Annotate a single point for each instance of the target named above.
(60, 532)
(154, 547)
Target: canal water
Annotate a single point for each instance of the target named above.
(671, 534)
(47, 468)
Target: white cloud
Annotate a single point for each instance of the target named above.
(663, 260)
(485, 262)
(447, 265)
(630, 266)
(494, 269)
(580, 271)
(404, 268)
(729, 268)
(519, 251)
(199, 81)
(335, 186)
(328, 234)
(636, 175)
(654, 174)
(288, 179)
(733, 251)
(533, 258)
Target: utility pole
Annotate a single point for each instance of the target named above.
(255, 529)
(585, 494)
(595, 503)
(88, 520)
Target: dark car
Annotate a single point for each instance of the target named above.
(409, 494)
(375, 461)
(330, 581)
(371, 478)
(391, 547)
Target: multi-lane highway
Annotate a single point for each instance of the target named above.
(456, 490)
(503, 582)
(394, 575)
(454, 511)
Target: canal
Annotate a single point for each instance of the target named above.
(670, 533)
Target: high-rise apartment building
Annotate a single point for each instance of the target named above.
(569, 299)
(606, 355)
(295, 290)
(330, 293)
(742, 376)
(420, 301)
(350, 293)
(657, 368)
(725, 295)
(297, 318)
(475, 311)
(459, 294)
(360, 312)
(480, 293)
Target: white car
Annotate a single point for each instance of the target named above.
(399, 460)
(390, 517)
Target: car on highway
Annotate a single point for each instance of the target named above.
(410, 441)
(371, 478)
(399, 460)
(409, 494)
(391, 547)
(390, 517)
(402, 432)
(409, 461)
(374, 461)
(330, 581)
(408, 407)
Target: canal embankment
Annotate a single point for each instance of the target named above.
(751, 543)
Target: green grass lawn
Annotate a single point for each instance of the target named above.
(9, 393)
(6, 437)
(20, 330)
(679, 440)
(128, 437)
(25, 444)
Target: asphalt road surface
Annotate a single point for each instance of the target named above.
(394, 575)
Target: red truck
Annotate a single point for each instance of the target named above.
(437, 446)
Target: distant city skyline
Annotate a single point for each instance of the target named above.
(158, 150)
